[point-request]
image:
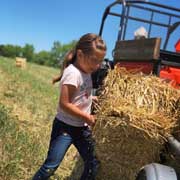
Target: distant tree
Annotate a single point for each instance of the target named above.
(42, 58)
(49, 58)
(55, 53)
(28, 52)
(59, 50)
(10, 50)
(18, 51)
(1, 50)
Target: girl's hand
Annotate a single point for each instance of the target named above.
(90, 120)
(95, 99)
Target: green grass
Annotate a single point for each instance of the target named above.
(26, 89)
(18, 148)
(28, 103)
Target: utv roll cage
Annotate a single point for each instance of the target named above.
(173, 22)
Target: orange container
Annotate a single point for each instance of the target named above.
(172, 75)
(176, 72)
(177, 46)
(166, 74)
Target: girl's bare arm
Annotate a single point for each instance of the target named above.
(67, 93)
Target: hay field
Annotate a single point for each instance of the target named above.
(28, 103)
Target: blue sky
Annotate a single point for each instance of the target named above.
(40, 22)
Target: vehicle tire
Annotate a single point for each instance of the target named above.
(141, 175)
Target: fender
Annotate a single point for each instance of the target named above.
(157, 171)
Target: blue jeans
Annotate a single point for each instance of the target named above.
(62, 136)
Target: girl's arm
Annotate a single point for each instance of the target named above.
(67, 92)
(56, 79)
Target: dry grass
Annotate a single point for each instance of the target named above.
(28, 104)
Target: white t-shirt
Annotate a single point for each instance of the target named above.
(82, 97)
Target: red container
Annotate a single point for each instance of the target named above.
(145, 67)
(177, 46)
(176, 72)
(172, 75)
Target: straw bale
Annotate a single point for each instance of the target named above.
(135, 115)
(21, 62)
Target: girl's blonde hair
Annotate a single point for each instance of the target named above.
(88, 43)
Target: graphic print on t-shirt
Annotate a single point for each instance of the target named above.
(86, 88)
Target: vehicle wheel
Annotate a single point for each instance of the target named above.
(141, 175)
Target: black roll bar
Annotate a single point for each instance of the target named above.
(124, 16)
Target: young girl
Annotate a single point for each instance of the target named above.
(73, 120)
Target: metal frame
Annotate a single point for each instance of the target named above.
(148, 6)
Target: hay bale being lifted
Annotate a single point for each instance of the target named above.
(135, 115)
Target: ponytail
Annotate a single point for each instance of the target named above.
(69, 58)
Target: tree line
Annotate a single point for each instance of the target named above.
(51, 58)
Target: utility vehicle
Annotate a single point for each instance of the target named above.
(149, 54)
